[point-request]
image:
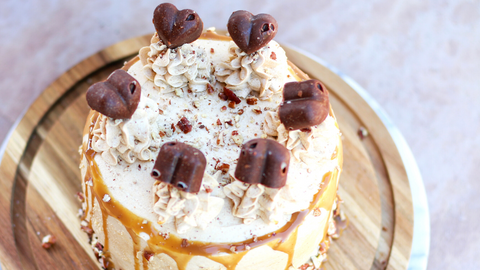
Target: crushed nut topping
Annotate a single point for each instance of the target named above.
(362, 133)
(273, 56)
(185, 243)
(184, 125)
(210, 89)
(231, 95)
(252, 101)
(48, 241)
(237, 138)
(257, 110)
(222, 96)
(148, 255)
(80, 196)
(106, 198)
(224, 168)
(87, 230)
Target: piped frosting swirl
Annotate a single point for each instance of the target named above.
(176, 70)
(128, 139)
(263, 71)
(188, 210)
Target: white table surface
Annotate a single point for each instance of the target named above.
(420, 60)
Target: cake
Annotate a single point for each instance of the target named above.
(210, 151)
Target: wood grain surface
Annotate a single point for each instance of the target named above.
(39, 175)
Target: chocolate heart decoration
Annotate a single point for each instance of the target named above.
(181, 166)
(250, 32)
(263, 161)
(117, 97)
(176, 27)
(305, 104)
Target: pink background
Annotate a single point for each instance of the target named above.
(419, 59)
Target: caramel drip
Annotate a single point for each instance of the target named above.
(293, 73)
(283, 239)
(335, 153)
(105, 229)
(296, 72)
(210, 35)
(145, 263)
(130, 63)
(136, 248)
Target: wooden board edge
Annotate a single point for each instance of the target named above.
(403, 236)
(21, 136)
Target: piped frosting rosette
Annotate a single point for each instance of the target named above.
(176, 70)
(188, 209)
(128, 139)
(262, 71)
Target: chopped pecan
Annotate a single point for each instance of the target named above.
(210, 89)
(80, 196)
(222, 96)
(48, 241)
(87, 229)
(252, 100)
(184, 125)
(231, 95)
(224, 168)
(273, 56)
(148, 255)
(185, 243)
(257, 111)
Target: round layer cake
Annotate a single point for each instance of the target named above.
(218, 103)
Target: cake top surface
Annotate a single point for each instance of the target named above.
(210, 96)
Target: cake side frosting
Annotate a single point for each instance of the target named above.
(243, 220)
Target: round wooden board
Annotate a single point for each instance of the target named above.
(39, 175)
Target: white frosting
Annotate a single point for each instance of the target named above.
(263, 71)
(233, 211)
(183, 68)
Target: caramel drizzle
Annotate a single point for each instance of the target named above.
(283, 239)
(136, 248)
(210, 35)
